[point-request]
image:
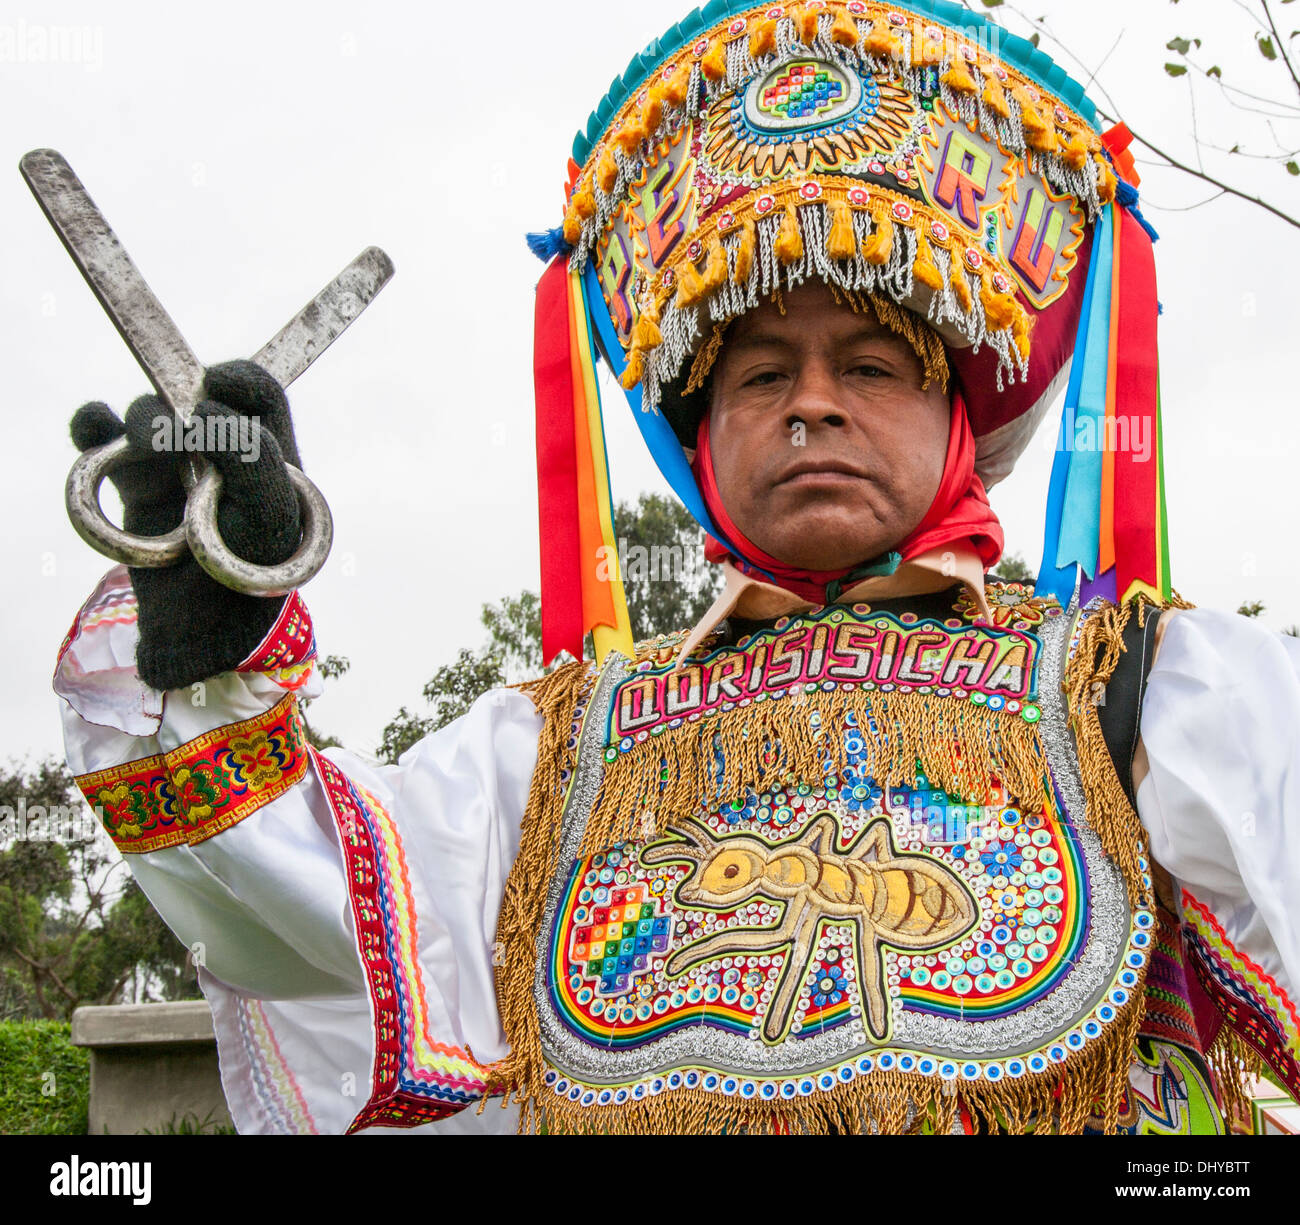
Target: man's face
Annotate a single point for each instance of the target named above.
(826, 451)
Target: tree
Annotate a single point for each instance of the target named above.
(73, 930)
(668, 584)
(1271, 102)
(1014, 569)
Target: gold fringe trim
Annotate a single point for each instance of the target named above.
(1088, 672)
(926, 343)
(554, 697)
(702, 366)
(769, 744)
(1233, 1064)
(1086, 1089)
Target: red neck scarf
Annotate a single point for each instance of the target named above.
(960, 513)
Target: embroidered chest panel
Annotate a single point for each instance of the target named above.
(821, 926)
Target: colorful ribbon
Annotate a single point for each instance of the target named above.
(1106, 505)
(582, 586)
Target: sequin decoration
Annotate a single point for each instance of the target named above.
(822, 929)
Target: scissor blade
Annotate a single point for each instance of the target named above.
(326, 317)
(152, 337)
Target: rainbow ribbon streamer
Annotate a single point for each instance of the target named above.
(582, 585)
(1106, 512)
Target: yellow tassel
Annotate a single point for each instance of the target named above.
(678, 86)
(635, 371)
(924, 268)
(715, 268)
(584, 201)
(630, 136)
(1106, 181)
(690, 285)
(744, 255)
(762, 41)
(806, 21)
(652, 114)
(960, 285)
(714, 64)
(1045, 141)
(958, 77)
(841, 242)
(876, 247)
(646, 334)
(789, 242)
(1076, 152)
(1030, 116)
(883, 41)
(999, 308)
(844, 30)
(1020, 329)
(607, 171)
(995, 97)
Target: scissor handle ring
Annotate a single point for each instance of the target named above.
(81, 495)
(212, 553)
(198, 534)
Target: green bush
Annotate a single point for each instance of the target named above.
(44, 1080)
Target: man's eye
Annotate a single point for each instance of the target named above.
(764, 378)
(868, 370)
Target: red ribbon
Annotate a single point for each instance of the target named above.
(557, 470)
(1137, 513)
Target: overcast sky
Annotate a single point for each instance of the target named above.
(245, 152)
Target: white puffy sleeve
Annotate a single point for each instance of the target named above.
(342, 912)
(1220, 724)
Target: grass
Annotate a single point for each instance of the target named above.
(44, 1080)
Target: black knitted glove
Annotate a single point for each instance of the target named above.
(191, 627)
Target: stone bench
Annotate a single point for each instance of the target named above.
(150, 1066)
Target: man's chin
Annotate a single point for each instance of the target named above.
(829, 539)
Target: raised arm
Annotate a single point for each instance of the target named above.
(342, 912)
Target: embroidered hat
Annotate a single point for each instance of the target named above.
(914, 152)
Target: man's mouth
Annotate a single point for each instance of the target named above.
(821, 472)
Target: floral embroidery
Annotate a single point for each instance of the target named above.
(203, 787)
(1013, 605)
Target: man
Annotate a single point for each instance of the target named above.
(877, 846)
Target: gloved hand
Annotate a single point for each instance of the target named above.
(191, 627)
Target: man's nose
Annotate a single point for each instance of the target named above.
(816, 399)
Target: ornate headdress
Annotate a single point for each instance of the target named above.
(911, 153)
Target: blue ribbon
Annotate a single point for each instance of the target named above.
(1066, 507)
(1081, 521)
(663, 444)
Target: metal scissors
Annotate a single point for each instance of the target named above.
(177, 376)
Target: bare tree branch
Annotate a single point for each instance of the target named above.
(1281, 47)
(1225, 188)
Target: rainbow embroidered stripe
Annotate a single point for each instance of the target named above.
(1250, 1001)
(416, 1078)
(288, 651)
(203, 787)
(277, 1088)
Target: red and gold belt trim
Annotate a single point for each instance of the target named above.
(203, 787)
